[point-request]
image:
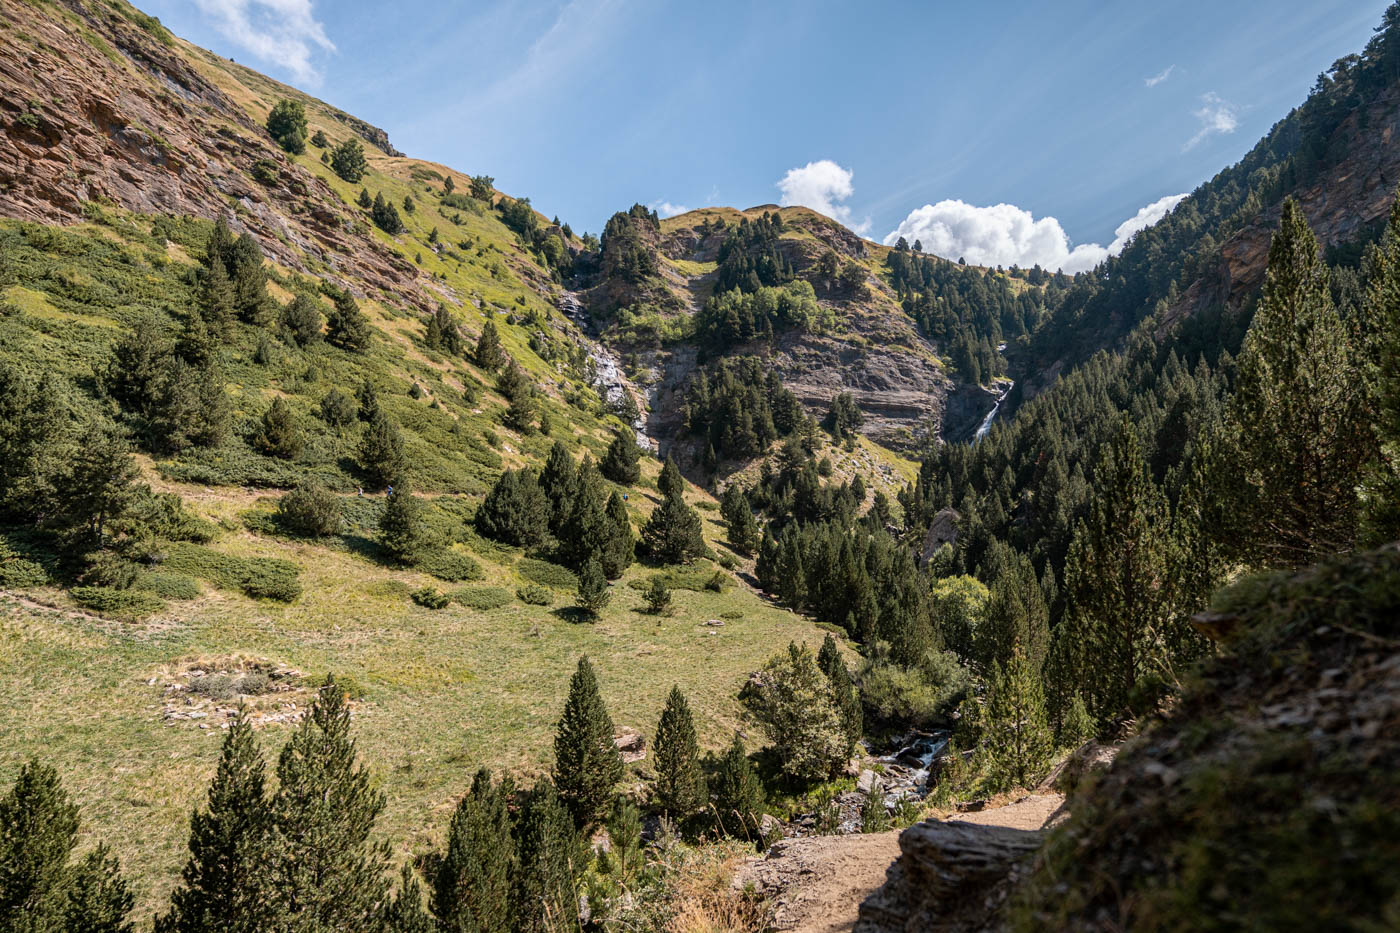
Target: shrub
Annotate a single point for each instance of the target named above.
(658, 596)
(547, 574)
(726, 560)
(254, 683)
(259, 577)
(481, 598)
(430, 598)
(168, 585)
(310, 510)
(17, 571)
(348, 160)
(918, 697)
(114, 602)
(214, 686)
(265, 172)
(452, 566)
(535, 595)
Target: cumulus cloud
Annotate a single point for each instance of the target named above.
(1217, 116)
(282, 32)
(821, 185)
(1143, 219)
(1159, 77)
(667, 209)
(1006, 235)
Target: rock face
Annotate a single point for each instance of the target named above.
(96, 108)
(950, 876)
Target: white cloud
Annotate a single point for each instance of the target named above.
(1006, 235)
(667, 209)
(1143, 219)
(283, 32)
(821, 185)
(1217, 116)
(1159, 77)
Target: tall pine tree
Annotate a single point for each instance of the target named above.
(680, 784)
(472, 880)
(587, 765)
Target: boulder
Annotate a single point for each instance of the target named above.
(631, 743)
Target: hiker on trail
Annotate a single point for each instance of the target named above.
(391, 491)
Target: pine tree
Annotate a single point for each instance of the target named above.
(301, 320)
(621, 463)
(327, 873)
(742, 528)
(672, 535)
(797, 709)
(1078, 726)
(1381, 486)
(278, 434)
(593, 595)
(680, 784)
(404, 911)
(346, 325)
(670, 483)
(1014, 615)
(1016, 734)
(216, 297)
(472, 881)
(738, 793)
(657, 596)
(560, 482)
(443, 333)
(618, 545)
(97, 487)
(1296, 421)
(520, 414)
(286, 123)
(385, 215)
(368, 400)
(98, 898)
(874, 817)
(847, 695)
(550, 859)
(489, 355)
(587, 765)
(244, 261)
(1118, 612)
(226, 885)
(348, 160)
(364, 200)
(588, 529)
(515, 511)
(319, 140)
(381, 450)
(403, 533)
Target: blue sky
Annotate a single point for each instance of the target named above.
(1011, 132)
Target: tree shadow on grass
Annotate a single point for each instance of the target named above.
(574, 614)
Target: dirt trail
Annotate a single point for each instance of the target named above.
(817, 883)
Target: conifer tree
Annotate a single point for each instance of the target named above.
(97, 487)
(367, 399)
(1015, 732)
(738, 795)
(40, 890)
(346, 325)
(670, 483)
(520, 414)
(1078, 726)
(489, 355)
(621, 463)
(593, 593)
(301, 320)
(278, 434)
(443, 333)
(657, 596)
(618, 543)
(1014, 615)
(847, 695)
(286, 123)
(1119, 610)
(381, 450)
(216, 297)
(515, 511)
(327, 873)
(385, 215)
(587, 765)
(403, 533)
(1381, 485)
(1296, 421)
(680, 784)
(472, 880)
(244, 261)
(225, 884)
(742, 527)
(348, 160)
(560, 482)
(319, 140)
(874, 817)
(550, 859)
(364, 200)
(588, 529)
(672, 535)
(404, 911)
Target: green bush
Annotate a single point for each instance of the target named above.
(481, 598)
(17, 571)
(311, 510)
(352, 687)
(214, 686)
(547, 574)
(430, 598)
(168, 585)
(258, 577)
(130, 604)
(695, 579)
(452, 566)
(535, 595)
